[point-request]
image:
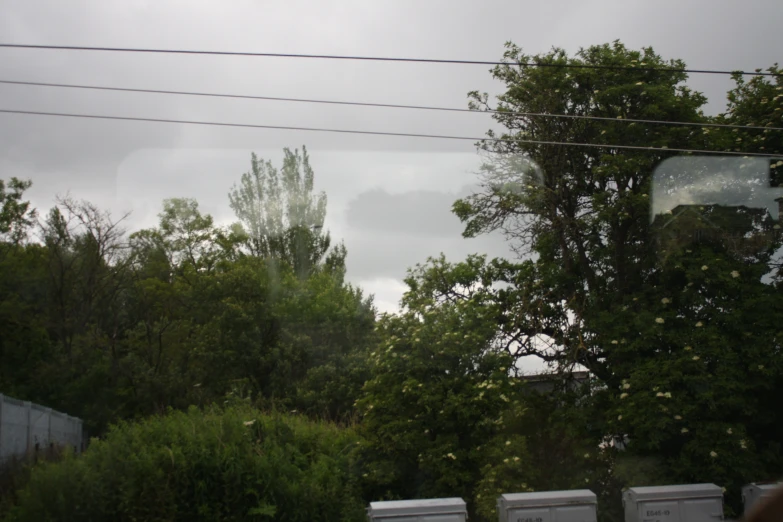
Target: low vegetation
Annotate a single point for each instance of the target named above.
(217, 465)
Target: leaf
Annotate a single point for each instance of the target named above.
(263, 510)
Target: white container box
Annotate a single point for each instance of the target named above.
(755, 491)
(425, 510)
(548, 506)
(682, 503)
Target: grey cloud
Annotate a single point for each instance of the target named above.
(424, 214)
(101, 160)
(404, 28)
(389, 233)
(381, 255)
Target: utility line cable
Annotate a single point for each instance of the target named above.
(380, 133)
(380, 59)
(390, 105)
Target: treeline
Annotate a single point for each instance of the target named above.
(682, 337)
(107, 325)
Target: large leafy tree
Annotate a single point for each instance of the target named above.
(23, 283)
(212, 321)
(170, 265)
(583, 211)
(444, 412)
(282, 216)
(759, 102)
(692, 328)
(16, 215)
(88, 256)
(333, 325)
(438, 387)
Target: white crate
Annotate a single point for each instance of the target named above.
(755, 491)
(548, 506)
(681, 503)
(424, 510)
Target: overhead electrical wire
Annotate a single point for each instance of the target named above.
(379, 59)
(388, 105)
(382, 133)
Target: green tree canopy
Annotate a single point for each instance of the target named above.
(16, 215)
(282, 216)
(686, 331)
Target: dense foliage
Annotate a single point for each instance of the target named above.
(109, 326)
(685, 343)
(237, 464)
(679, 326)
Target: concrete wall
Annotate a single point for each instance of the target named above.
(25, 427)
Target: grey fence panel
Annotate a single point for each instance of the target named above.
(39, 426)
(73, 432)
(14, 428)
(58, 426)
(70, 427)
(27, 427)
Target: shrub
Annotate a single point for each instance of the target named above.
(218, 465)
(15, 472)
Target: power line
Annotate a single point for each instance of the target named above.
(390, 105)
(381, 133)
(382, 59)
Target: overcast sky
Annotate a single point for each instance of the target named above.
(389, 197)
